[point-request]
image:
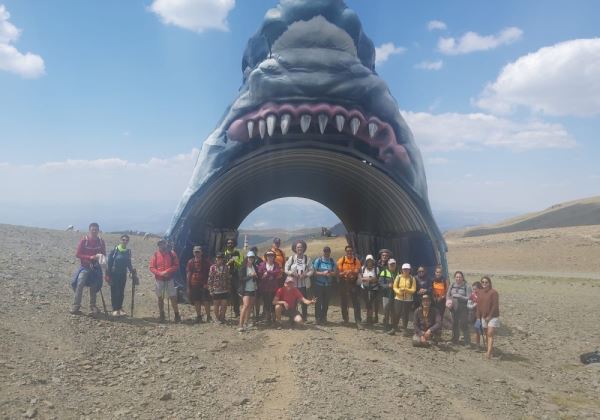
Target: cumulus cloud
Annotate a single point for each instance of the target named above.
(562, 79)
(472, 41)
(194, 15)
(430, 65)
(26, 65)
(434, 25)
(454, 131)
(385, 51)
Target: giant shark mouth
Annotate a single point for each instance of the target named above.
(319, 119)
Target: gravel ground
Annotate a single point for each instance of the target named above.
(55, 365)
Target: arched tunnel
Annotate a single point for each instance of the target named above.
(377, 208)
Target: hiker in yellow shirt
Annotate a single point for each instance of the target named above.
(405, 287)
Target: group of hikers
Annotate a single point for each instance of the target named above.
(282, 284)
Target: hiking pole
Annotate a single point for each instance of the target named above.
(168, 304)
(103, 303)
(133, 277)
(482, 332)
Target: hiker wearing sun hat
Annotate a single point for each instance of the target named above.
(386, 278)
(197, 283)
(248, 288)
(269, 273)
(427, 321)
(405, 287)
(369, 288)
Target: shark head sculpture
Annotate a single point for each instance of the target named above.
(309, 72)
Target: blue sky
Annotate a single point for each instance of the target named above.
(503, 98)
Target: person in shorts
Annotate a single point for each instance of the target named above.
(286, 300)
(197, 283)
(164, 264)
(488, 311)
(248, 288)
(219, 284)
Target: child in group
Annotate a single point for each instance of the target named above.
(472, 307)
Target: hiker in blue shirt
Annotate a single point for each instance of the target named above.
(325, 273)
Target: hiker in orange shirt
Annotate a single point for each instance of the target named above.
(348, 268)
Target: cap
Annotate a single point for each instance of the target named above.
(406, 266)
(369, 257)
(250, 254)
(426, 296)
(197, 248)
(391, 261)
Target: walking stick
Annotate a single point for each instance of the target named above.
(103, 303)
(168, 305)
(133, 279)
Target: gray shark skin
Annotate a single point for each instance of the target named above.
(309, 70)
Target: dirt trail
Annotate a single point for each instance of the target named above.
(57, 366)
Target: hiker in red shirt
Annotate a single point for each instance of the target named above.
(286, 299)
(197, 283)
(164, 264)
(89, 273)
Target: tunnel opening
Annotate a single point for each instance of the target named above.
(377, 209)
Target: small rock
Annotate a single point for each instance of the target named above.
(165, 359)
(49, 404)
(31, 413)
(166, 396)
(241, 401)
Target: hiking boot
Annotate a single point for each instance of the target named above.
(208, 318)
(75, 312)
(122, 312)
(116, 313)
(177, 318)
(392, 332)
(161, 317)
(198, 319)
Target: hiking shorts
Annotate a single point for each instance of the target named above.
(494, 322)
(165, 288)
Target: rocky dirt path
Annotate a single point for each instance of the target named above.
(57, 366)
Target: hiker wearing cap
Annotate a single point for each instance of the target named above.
(279, 258)
(369, 289)
(219, 286)
(384, 257)
(439, 289)
(488, 311)
(269, 273)
(300, 267)
(164, 264)
(89, 273)
(456, 299)
(325, 273)
(427, 321)
(423, 285)
(119, 262)
(233, 260)
(405, 286)
(286, 301)
(386, 276)
(248, 288)
(348, 268)
(197, 283)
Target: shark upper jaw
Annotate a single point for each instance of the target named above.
(318, 119)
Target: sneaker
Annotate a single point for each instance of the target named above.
(122, 312)
(241, 329)
(177, 318)
(116, 313)
(392, 332)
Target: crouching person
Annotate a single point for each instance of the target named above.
(286, 299)
(164, 264)
(427, 322)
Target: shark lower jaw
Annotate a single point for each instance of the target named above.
(319, 120)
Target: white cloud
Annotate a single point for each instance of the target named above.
(562, 79)
(195, 15)
(385, 51)
(65, 181)
(430, 65)
(433, 25)
(454, 131)
(26, 65)
(472, 41)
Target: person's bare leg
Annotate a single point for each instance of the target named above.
(216, 304)
(198, 306)
(244, 311)
(278, 310)
(223, 310)
(490, 341)
(207, 310)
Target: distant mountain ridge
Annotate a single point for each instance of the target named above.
(584, 212)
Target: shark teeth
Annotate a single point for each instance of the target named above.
(250, 125)
(305, 122)
(340, 121)
(354, 125)
(262, 128)
(271, 121)
(373, 129)
(323, 119)
(285, 123)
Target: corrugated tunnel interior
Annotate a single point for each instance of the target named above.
(375, 209)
